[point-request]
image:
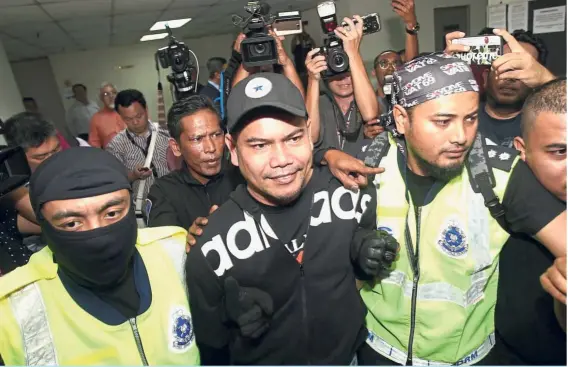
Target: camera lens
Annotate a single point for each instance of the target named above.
(259, 48)
(338, 61)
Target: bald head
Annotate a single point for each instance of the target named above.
(549, 98)
(543, 141)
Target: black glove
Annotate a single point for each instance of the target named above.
(378, 251)
(249, 308)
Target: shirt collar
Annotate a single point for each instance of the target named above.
(215, 85)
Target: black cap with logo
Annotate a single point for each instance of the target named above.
(261, 91)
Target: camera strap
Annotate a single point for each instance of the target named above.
(149, 155)
(144, 150)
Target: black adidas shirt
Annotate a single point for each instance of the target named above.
(318, 313)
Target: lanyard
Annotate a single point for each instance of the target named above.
(144, 150)
(347, 119)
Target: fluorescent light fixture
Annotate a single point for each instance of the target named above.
(151, 37)
(174, 23)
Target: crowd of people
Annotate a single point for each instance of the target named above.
(299, 219)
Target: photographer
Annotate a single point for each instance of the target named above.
(349, 101)
(288, 69)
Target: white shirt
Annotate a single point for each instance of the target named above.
(215, 85)
(79, 116)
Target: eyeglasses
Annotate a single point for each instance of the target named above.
(384, 64)
(109, 94)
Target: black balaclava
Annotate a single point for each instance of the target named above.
(97, 258)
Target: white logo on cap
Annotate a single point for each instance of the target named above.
(258, 87)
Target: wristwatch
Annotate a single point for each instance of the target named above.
(413, 31)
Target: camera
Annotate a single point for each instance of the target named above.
(336, 58)
(176, 55)
(259, 48)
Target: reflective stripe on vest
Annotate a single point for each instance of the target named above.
(398, 356)
(478, 229)
(29, 311)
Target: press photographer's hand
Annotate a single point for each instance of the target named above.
(351, 35)
(283, 58)
(315, 64)
(519, 64)
(452, 48)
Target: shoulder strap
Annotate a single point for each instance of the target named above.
(142, 184)
(377, 149)
(482, 179)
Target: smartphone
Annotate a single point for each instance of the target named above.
(483, 49)
(371, 23)
(288, 23)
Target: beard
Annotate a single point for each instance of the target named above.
(443, 174)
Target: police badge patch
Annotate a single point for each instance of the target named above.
(181, 330)
(453, 241)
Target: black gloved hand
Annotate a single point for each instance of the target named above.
(378, 252)
(249, 308)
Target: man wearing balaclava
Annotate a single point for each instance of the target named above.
(451, 203)
(101, 292)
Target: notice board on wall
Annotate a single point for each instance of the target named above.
(549, 13)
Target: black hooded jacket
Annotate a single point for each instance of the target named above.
(318, 313)
(177, 199)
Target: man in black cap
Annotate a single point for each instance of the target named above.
(101, 292)
(272, 278)
(452, 203)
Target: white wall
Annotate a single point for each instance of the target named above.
(93, 67)
(392, 34)
(35, 79)
(10, 98)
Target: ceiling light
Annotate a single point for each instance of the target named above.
(151, 37)
(174, 23)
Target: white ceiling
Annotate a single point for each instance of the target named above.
(37, 28)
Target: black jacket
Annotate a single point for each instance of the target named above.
(210, 91)
(177, 199)
(318, 313)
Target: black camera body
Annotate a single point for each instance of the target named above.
(335, 56)
(259, 48)
(176, 55)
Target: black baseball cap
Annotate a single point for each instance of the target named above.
(261, 91)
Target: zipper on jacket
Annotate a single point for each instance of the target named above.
(138, 341)
(414, 258)
(304, 312)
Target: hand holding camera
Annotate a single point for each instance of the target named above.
(316, 64)
(351, 35)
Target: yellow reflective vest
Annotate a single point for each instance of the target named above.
(442, 312)
(40, 324)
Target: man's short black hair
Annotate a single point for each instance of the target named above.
(28, 99)
(187, 107)
(28, 130)
(127, 97)
(79, 85)
(528, 37)
(215, 65)
(549, 97)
